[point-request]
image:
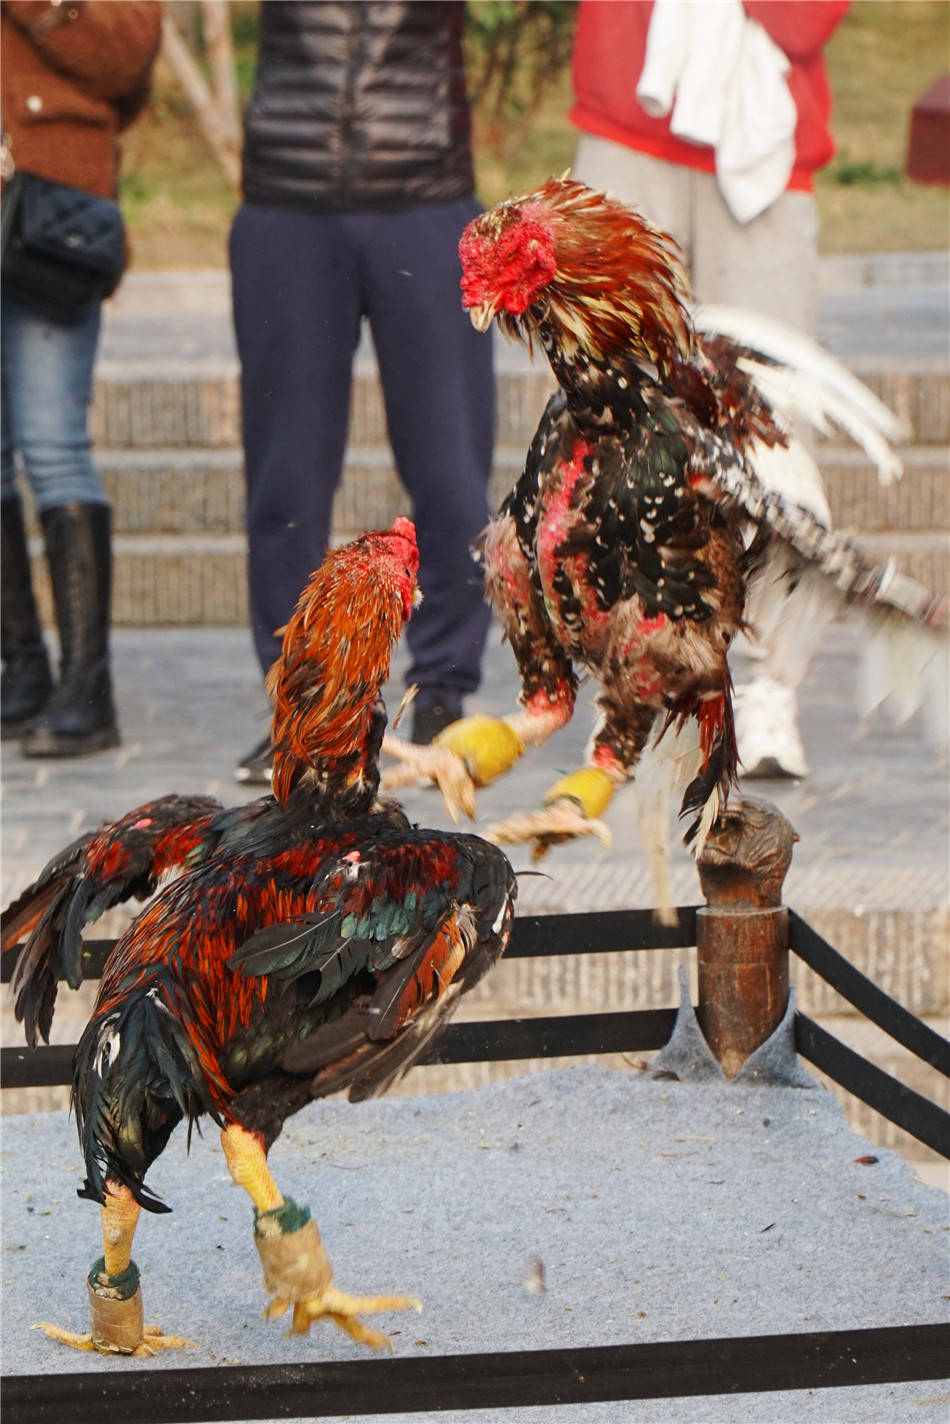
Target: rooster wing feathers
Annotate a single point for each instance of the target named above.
(123, 860)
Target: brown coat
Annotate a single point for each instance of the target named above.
(75, 75)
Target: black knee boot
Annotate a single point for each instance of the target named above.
(26, 682)
(79, 717)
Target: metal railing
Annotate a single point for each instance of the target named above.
(672, 1369)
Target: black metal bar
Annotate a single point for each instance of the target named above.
(923, 1119)
(559, 1036)
(37, 1067)
(94, 955)
(600, 932)
(671, 1369)
(865, 995)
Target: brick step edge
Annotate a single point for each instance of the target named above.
(179, 580)
(201, 491)
(145, 407)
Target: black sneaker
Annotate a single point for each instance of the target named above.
(430, 719)
(257, 767)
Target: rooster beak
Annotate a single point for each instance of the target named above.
(482, 315)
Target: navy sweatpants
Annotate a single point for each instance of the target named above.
(301, 284)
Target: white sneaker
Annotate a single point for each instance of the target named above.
(767, 730)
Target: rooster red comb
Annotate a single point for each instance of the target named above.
(597, 272)
(405, 531)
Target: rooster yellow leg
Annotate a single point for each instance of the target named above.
(115, 1296)
(473, 752)
(573, 807)
(297, 1270)
(468, 753)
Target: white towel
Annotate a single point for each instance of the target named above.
(724, 79)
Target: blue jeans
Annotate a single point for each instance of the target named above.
(47, 370)
(302, 282)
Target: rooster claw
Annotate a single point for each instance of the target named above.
(153, 1340)
(432, 763)
(560, 820)
(344, 1310)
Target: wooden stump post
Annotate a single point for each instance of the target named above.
(742, 931)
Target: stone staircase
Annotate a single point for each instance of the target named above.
(167, 435)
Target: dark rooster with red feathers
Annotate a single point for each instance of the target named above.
(659, 489)
(313, 941)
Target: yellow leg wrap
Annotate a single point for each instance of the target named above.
(488, 746)
(118, 1326)
(297, 1272)
(590, 788)
(247, 1163)
(294, 1261)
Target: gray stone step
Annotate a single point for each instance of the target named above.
(171, 491)
(149, 405)
(180, 548)
(919, 500)
(180, 579)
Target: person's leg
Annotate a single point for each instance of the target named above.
(297, 305)
(26, 681)
(658, 191)
(438, 385)
(49, 371)
(769, 265)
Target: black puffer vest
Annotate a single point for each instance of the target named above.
(358, 106)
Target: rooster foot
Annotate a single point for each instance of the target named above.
(115, 1309)
(471, 752)
(435, 764)
(298, 1272)
(153, 1340)
(344, 1310)
(558, 821)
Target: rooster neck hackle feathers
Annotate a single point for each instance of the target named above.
(603, 290)
(335, 659)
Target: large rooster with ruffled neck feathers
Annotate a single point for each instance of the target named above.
(658, 492)
(313, 942)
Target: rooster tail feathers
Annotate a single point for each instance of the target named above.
(802, 382)
(706, 795)
(789, 609)
(904, 667)
(136, 1075)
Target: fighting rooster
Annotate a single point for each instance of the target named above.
(312, 942)
(658, 488)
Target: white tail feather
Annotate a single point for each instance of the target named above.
(791, 472)
(813, 386)
(788, 615)
(665, 769)
(904, 667)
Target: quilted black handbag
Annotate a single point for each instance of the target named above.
(63, 250)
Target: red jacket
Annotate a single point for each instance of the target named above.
(609, 49)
